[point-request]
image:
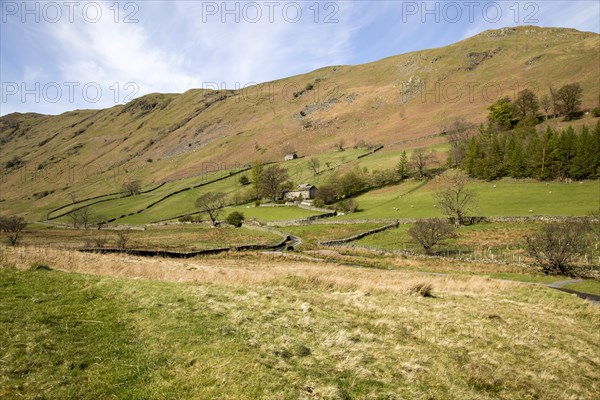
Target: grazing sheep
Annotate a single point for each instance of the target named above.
(530, 211)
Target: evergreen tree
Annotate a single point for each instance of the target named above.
(515, 159)
(402, 167)
(585, 163)
(473, 162)
(494, 160)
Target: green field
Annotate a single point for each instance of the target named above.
(311, 234)
(591, 286)
(268, 214)
(410, 199)
(506, 197)
(68, 335)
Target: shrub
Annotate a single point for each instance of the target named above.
(429, 232)
(39, 266)
(123, 237)
(347, 206)
(14, 162)
(422, 289)
(244, 180)
(556, 244)
(13, 226)
(131, 188)
(236, 219)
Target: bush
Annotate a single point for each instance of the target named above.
(236, 219)
(596, 112)
(429, 232)
(422, 289)
(556, 244)
(347, 206)
(13, 226)
(318, 203)
(123, 237)
(131, 188)
(244, 180)
(195, 219)
(14, 162)
(38, 266)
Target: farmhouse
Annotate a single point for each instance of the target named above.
(304, 192)
(291, 156)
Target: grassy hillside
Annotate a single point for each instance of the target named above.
(402, 101)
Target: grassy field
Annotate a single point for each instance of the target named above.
(510, 235)
(183, 237)
(591, 286)
(311, 234)
(267, 214)
(506, 197)
(256, 327)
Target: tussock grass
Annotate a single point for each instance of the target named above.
(242, 326)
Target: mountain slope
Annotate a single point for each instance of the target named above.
(161, 137)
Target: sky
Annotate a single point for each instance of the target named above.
(58, 56)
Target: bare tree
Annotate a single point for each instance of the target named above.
(429, 232)
(132, 188)
(74, 216)
(340, 145)
(419, 160)
(546, 105)
(100, 241)
(211, 203)
(85, 216)
(456, 200)
(14, 227)
(123, 237)
(99, 221)
(314, 164)
(80, 216)
(459, 135)
(556, 244)
(554, 101)
(272, 180)
(526, 105)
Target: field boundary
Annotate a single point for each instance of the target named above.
(358, 236)
(48, 218)
(189, 254)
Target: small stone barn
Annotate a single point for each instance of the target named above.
(304, 192)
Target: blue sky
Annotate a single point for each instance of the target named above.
(57, 57)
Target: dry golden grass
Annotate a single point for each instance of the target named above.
(242, 270)
(251, 325)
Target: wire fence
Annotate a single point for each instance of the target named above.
(501, 254)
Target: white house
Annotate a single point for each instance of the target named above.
(291, 156)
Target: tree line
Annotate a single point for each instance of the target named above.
(527, 153)
(509, 145)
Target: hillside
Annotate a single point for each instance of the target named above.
(163, 137)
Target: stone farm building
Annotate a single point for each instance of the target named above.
(304, 192)
(291, 156)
